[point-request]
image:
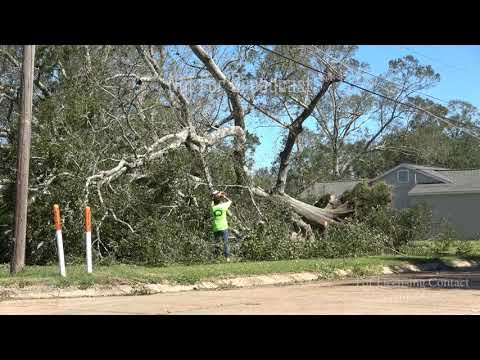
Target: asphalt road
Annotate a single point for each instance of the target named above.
(421, 293)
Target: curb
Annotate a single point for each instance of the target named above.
(46, 292)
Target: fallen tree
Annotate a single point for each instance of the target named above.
(311, 214)
(107, 128)
(304, 215)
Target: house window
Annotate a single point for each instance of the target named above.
(402, 176)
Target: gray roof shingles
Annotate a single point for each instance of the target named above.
(428, 189)
(423, 167)
(462, 177)
(456, 181)
(462, 181)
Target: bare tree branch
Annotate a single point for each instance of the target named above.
(295, 129)
(237, 110)
(168, 87)
(158, 149)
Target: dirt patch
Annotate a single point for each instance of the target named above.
(387, 270)
(273, 279)
(463, 263)
(343, 272)
(406, 268)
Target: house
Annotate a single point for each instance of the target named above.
(452, 195)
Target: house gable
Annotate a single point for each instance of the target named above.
(405, 177)
(416, 175)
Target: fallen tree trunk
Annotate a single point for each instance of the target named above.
(312, 214)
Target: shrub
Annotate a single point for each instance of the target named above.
(465, 248)
(162, 242)
(444, 239)
(5, 229)
(400, 226)
(271, 240)
(364, 198)
(352, 239)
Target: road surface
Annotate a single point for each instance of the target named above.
(421, 293)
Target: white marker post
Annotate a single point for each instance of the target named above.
(88, 238)
(58, 235)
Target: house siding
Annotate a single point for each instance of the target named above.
(401, 200)
(462, 211)
(400, 190)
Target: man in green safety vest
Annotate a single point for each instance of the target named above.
(220, 205)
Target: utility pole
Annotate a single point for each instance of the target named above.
(23, 161)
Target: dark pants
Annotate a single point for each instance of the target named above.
(223, 235)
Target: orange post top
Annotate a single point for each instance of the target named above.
(87, 220)
(56, 217)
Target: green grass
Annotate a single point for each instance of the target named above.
(182, 274)
(444, 248)
(424, 251)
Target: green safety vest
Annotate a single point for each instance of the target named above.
(219, 213)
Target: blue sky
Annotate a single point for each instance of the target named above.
(458, 67)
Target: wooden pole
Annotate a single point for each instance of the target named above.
(23, 161)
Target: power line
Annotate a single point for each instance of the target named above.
(381, 78)
(398, 86)
(407, 104)
(433, 59)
